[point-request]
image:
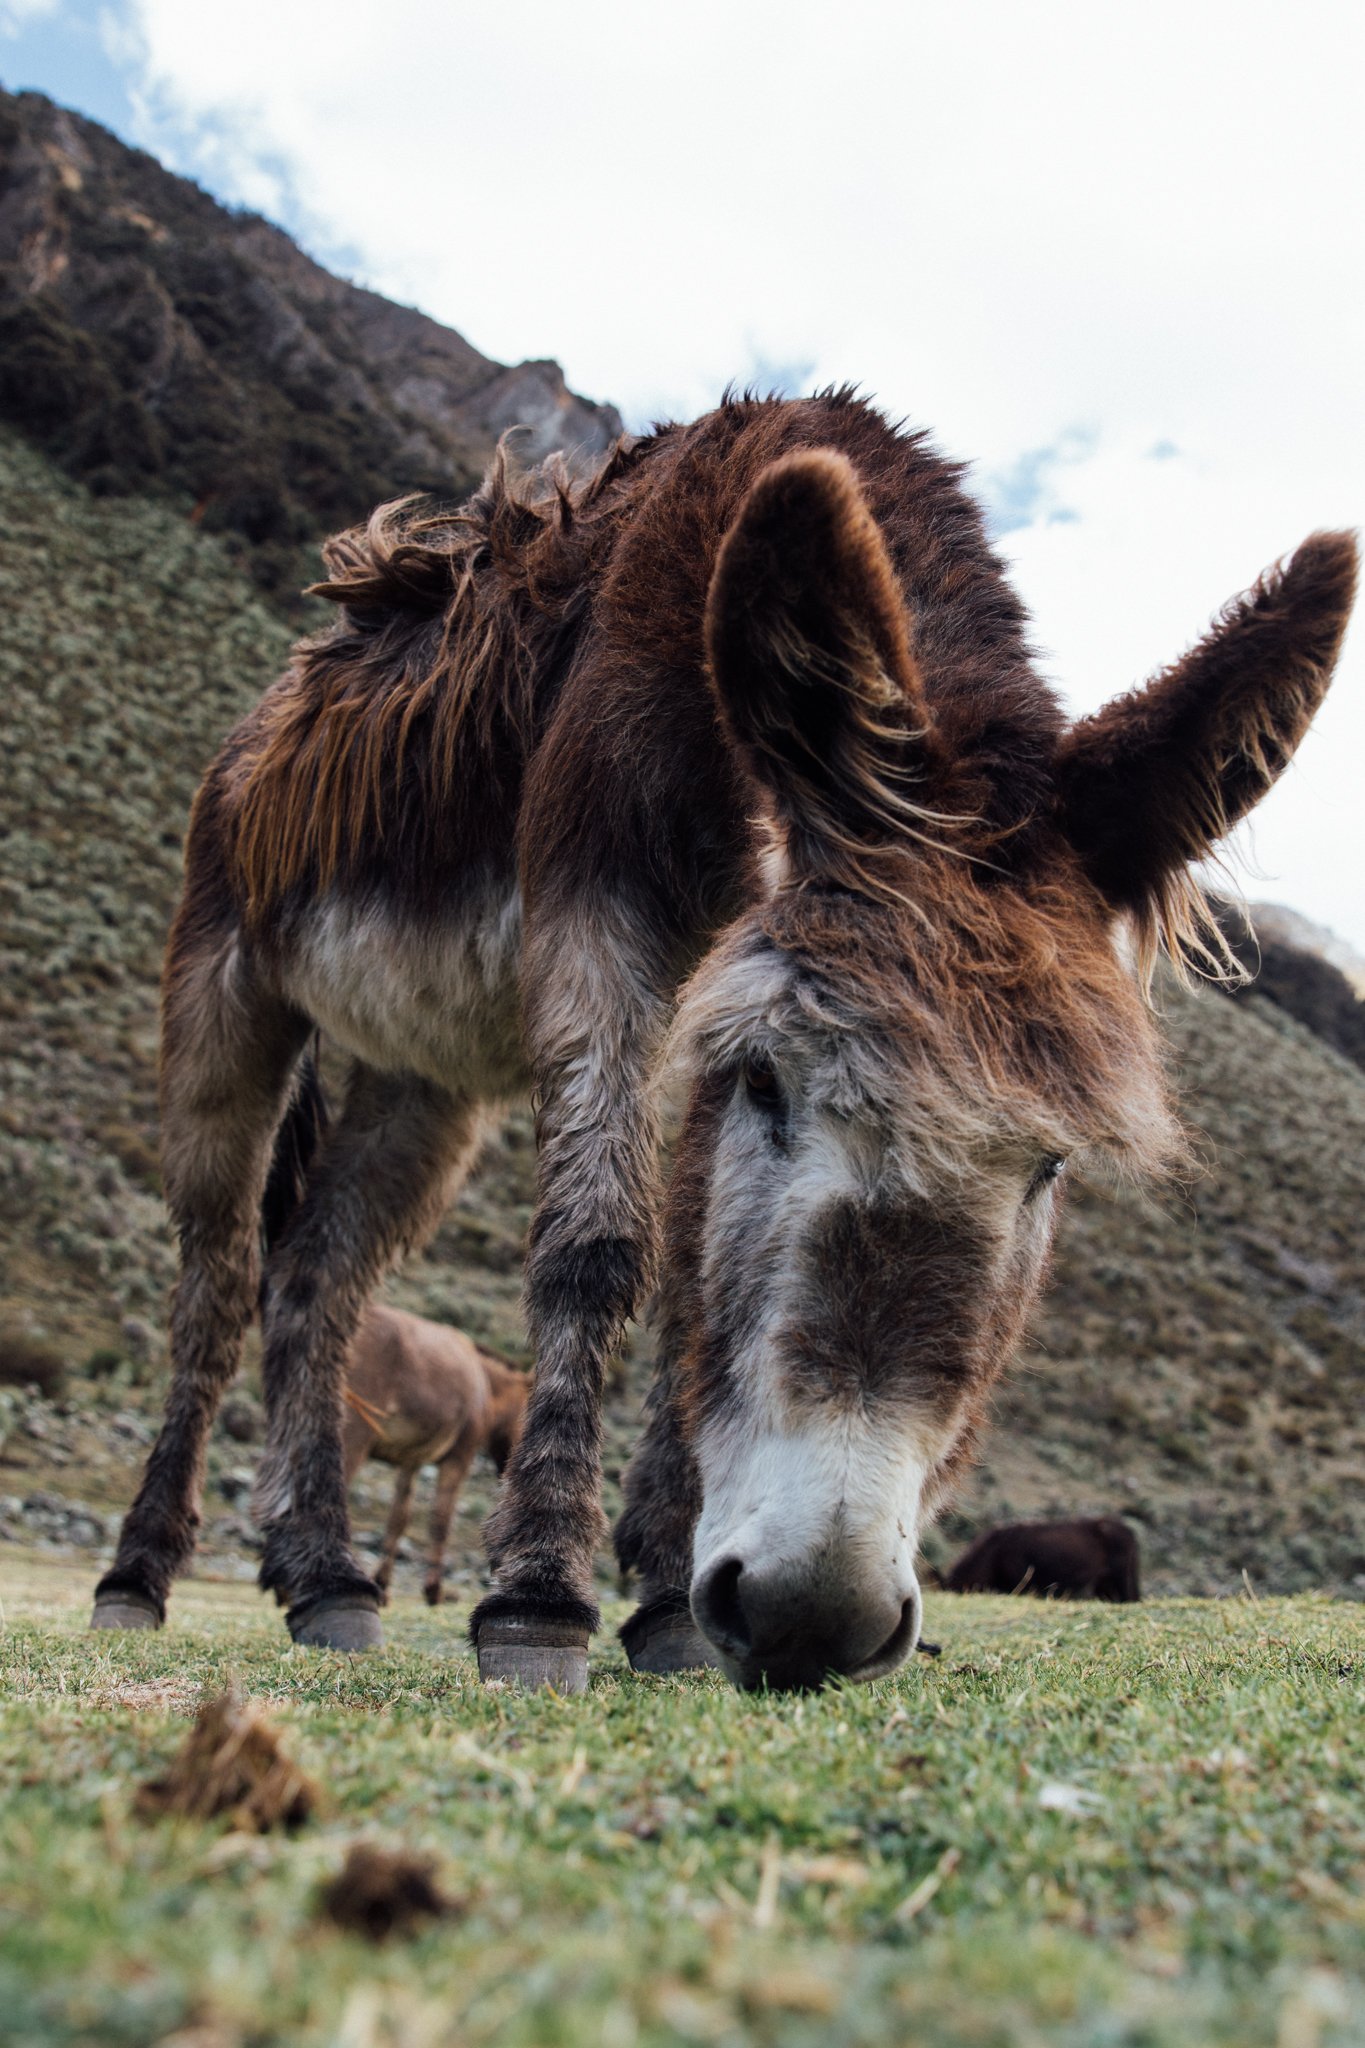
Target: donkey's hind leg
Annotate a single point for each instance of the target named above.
(654, 1535)
(378, 1188)
(400, 1507)
(451, 1473)
(228, 1054)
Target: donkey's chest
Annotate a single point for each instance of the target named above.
(437, 996)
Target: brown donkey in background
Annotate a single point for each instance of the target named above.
(1086, 1557)
(738, 746)
(421, 1393)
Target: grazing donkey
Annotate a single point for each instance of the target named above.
(737, 746)
(420, 1393)
(1085, 1558)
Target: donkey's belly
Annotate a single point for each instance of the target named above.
(435, 996)
(405, 1443)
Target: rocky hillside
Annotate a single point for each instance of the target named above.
(152, 341)
(1200, 1363)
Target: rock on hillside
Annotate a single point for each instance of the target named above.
(1273, 921)
(150, 338)
(1297, 974)
(1200, 1363)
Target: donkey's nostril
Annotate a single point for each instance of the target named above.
(719, 1609)
(898, 1644)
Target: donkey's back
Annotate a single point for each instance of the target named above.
(514, 700)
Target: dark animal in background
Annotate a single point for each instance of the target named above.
(421, 1393)
(1095, 1559)
(735, 753)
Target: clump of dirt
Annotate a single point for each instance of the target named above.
(382, 1892)
(232, 1762)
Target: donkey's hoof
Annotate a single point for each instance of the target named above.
(347, 1621)
(125, 1610)
(534, 1652)
(665, 1643)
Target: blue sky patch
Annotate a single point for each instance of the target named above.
(1028, 492)
(63, 54)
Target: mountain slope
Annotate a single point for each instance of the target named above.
(1200, 1360)
(151, 339)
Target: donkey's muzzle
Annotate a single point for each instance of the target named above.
(780, 1628)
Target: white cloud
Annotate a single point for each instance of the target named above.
(1043, 227)
(16, 15)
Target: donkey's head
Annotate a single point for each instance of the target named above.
(894, 1058)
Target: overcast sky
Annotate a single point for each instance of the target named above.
(1113, 255)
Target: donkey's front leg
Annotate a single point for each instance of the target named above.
(594, 1026)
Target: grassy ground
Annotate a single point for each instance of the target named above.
(1080, 1826)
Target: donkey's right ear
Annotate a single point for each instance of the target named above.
(1152, 782)
(806, 635)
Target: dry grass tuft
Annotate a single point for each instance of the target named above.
(232, 1763)
(147, 1696)
(380, 1892)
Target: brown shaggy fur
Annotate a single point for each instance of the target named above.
(451, 626)
(1139, 799)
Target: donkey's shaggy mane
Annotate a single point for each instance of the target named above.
(457, 629)
(450, 621)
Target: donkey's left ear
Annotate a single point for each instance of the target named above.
(808, 642)
(1155, 779)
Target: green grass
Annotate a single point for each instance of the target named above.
(1142, 1827)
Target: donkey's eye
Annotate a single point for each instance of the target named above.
(761, 1084)
(1050, 1170)
(764, 1091)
